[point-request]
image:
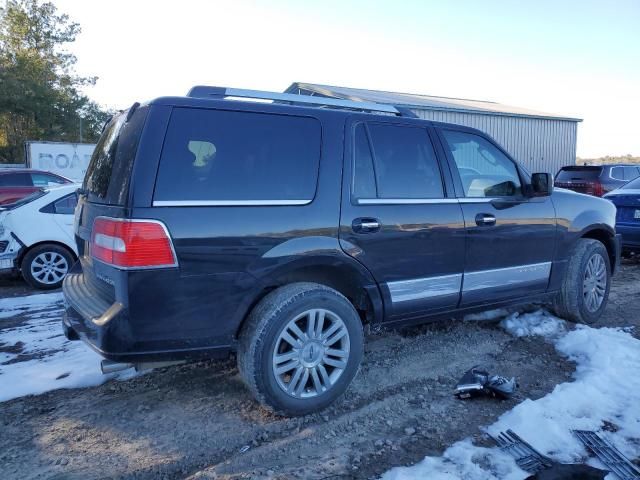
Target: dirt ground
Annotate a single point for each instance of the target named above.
(198, 421)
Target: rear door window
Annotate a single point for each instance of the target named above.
(484, 170)
(226, 157)
(16, 180)
(395, 162)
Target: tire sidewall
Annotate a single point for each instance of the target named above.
(586, 315)
(32, 254)
(265, 376)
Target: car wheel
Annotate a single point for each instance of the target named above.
(45, 266)
(585, 288)
(300, 348)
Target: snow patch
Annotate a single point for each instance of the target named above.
(605, 388)
(37, 357)
(540, 323)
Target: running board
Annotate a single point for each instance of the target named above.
(608, 454)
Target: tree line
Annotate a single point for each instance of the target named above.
(40, 94)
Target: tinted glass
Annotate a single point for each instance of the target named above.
(578, 173)
(484, 170)
(405, 164)
(109, 171)
(44, 180)
(631, 172)
(364, 183)
(15, 180)
(617, 173)
(66, 205)
(227, 156)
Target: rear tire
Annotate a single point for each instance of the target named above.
(585, 288)
(300, 348)
(45, 266)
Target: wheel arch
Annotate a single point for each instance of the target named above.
(27, 249)
(344, 275)
(607, 238)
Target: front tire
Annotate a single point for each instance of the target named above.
(585, 287)
(300, 348)
(45, 266)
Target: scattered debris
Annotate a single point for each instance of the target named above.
(569, 471)
(527, 457)
(608, 454)
(542, 467)
(478, 382)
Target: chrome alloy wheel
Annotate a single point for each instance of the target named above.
(594, 284)
(49, 268)
(311, 353)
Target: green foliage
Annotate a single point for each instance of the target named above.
(39, 91)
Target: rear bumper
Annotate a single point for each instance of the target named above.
(107, 328)
(630, 236)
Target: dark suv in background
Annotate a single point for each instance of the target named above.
(278, 231)
(596, 179)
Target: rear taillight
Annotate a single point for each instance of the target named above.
(132, 243)
(598, 189)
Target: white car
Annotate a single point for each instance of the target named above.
(36, 236)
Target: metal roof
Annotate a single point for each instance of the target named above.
(427, 102)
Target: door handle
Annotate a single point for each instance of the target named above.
(365, 225)
(485, 219)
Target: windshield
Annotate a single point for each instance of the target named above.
(633, 184)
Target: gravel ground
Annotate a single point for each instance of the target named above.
(198, 420)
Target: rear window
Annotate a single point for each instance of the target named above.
(107, 177)
(578, 173)
(223, 156)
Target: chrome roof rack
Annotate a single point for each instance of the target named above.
(202, 91)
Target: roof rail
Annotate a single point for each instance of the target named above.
(202, 91)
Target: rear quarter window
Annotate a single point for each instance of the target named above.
(216, 156)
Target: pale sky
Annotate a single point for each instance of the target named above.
(579, 58)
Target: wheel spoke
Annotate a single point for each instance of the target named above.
(286, 336)
(285, 357)
(302, 383)
(295, 329)
(317, 383)
(336, 336)
(295, 379)
(324, 375)
(332, 362)
(334, 352)
(330, 331)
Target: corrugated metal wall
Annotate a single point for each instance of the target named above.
(541, 145)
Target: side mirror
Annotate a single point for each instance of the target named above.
(541, 184)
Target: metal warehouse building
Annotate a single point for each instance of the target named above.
(542, 142)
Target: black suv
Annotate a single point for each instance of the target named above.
(596, 179)
(208, 225)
